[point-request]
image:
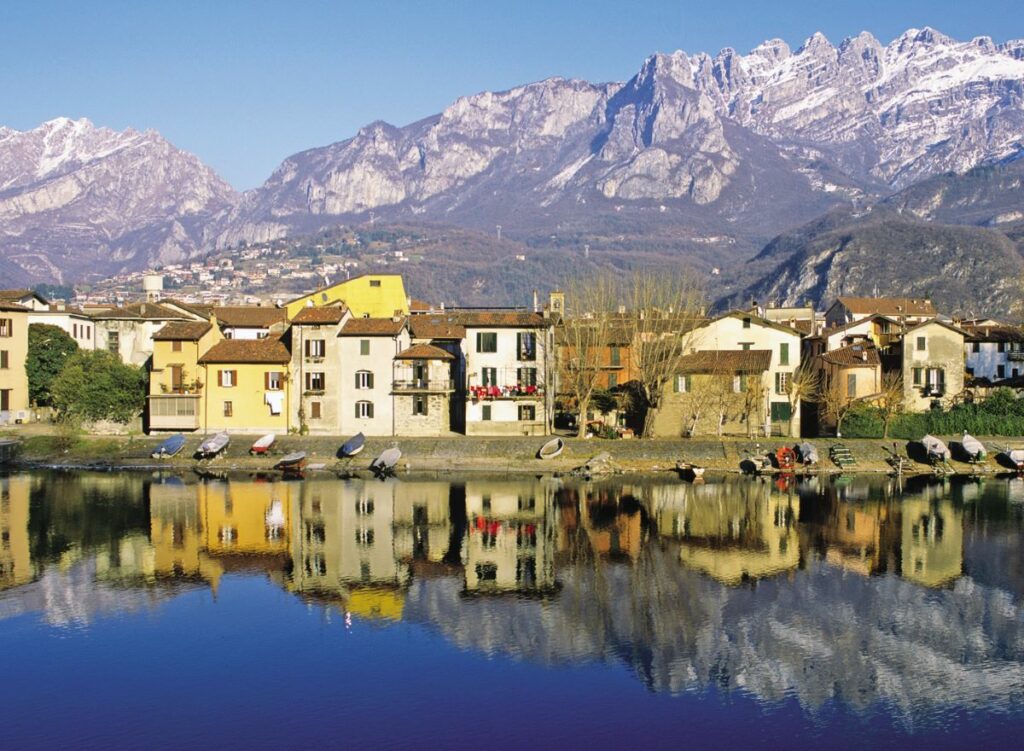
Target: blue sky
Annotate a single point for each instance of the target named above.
(245, 84)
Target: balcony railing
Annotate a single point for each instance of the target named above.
(1015, 356)
(484, 393)
(436, 385)
(173, 412)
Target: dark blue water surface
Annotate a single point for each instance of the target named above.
(164, 612)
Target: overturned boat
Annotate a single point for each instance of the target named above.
(214, 445)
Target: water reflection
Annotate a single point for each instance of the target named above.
(854, 590)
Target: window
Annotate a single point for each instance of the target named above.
(6, 327)
(922, 343)
(314, 410)
(364, 537)
(918, 376)
(419, 405)
(4, 360)
(739, 384)
(364, 380)
(375, 282)
(526, 345)
(364, 410)
(176, 345)
(227, 378)
(177, 378)
(745, 346)
(682, 384)
(1001, 347)
(851, 385)
(486, 341)
(527, 413)
(315, 382)
(976, 347)
(527, 376)
(113, 342)
(485, 413)
(489, 376)
(364, 346)
(229, 409)
(1001, 371)
(614, 357)
(746, 323)
(273, 380)
(781, 383)
(315, 348)
(784, 353)
(364, 507)
(74, 330)
(936, 381)
(613, 380)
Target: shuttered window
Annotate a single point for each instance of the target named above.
(486, 341)
(227, 378)
(314, 410)
(364, 410)
(6, 327)
(364, 380)
(273, 380)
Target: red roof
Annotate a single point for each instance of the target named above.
(439, 326)
(318, 316)
(855, 355)
(186, 331)
(726, 361)
(249, 316)
(247, 351)
(424, 352)
(372, 327)
(500, 319)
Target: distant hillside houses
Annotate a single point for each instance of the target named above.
(361, 356)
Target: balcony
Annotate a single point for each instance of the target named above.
(423, 386)
(515, 391)
(173, 412)
(1015, 356)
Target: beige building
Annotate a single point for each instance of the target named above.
(316, 365)
(849, 374)
(367, 348)
(13, 354)
(932, 362)
(906, 310)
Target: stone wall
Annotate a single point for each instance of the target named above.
(434, 423)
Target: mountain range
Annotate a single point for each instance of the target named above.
(707, 158)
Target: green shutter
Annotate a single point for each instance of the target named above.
(369, 380)
(784, 354)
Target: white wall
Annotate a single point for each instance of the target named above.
(380, 362)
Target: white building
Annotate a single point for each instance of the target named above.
(367, 350)
(994, 351)
(72, 321)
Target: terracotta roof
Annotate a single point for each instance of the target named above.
(855, 355)
(372, 327)
(188, 331)
(419, 306)
(318, 316)
(940, 322)
(727, 361)
(14, 294)
(249, 316)
(424, 352)
(202, 310)
(12, 307)
(888, 306)
(144, 311)
(500, 319)
(994, 334)
(442, 326)
(247, 351)
(873, 317)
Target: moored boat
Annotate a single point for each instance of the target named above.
(263, 444)
(786, 458)
(352, 446)
(214, 445)
(974, 448)
(935, 449)
(292, 462)
(386, 462)
(689, 471)
(808, 453)
(551, 449)
(1014, 457)
(169, 446)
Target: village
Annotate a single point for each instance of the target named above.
(361, 356)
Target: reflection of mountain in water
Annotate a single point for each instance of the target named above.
(852, 592)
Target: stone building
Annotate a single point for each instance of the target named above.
(931, 361)
(423, 387)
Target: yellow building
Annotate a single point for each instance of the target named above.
(13, 353)
(247, 523)
(246, 386)
(176, 534)
(175, 382)
(932, 544)
(369, 295)
(15, 554)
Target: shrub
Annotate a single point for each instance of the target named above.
(49, 348)
(98, 386)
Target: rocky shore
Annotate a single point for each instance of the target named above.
(462, 454)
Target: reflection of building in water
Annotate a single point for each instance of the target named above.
(246, 524)
(422, 521)
(858, 536)
(176, 534)
(510, 543)
(932, 541)
(343, 547)
(735, 532)
(613, 520)
(16, 566)
(126, 560)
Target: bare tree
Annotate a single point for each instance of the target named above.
(586, 332)
(891, 400)
(835, 402)
(803, 386)
(754, 398)
(662, 310)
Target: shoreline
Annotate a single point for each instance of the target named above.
(514, 455)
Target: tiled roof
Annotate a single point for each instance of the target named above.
(11, 307)
(419, 306)
(145, 311)
(726, 361)
(852, 324)
(247, 351)
(187, 331)
(318, 316)
(440, 326)
(202, 310)
(10, 295)
(888, 306)
(755, 318)
(940, 322)
(249, 316)
(859, 355)
(372, 327)
(994, 334)
(500, 319)
(424, 352)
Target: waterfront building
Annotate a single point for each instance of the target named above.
(930, 359)
(14, 402)
(316, 364)
(906, 310)
(246, 386)
(175, 378)
(128, 331)
(994, 351)
(367, 348)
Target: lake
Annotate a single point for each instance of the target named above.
(168, 612)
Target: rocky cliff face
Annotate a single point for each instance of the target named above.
(76, 200)
(724, 144)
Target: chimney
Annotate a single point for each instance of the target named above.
(535, 307)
